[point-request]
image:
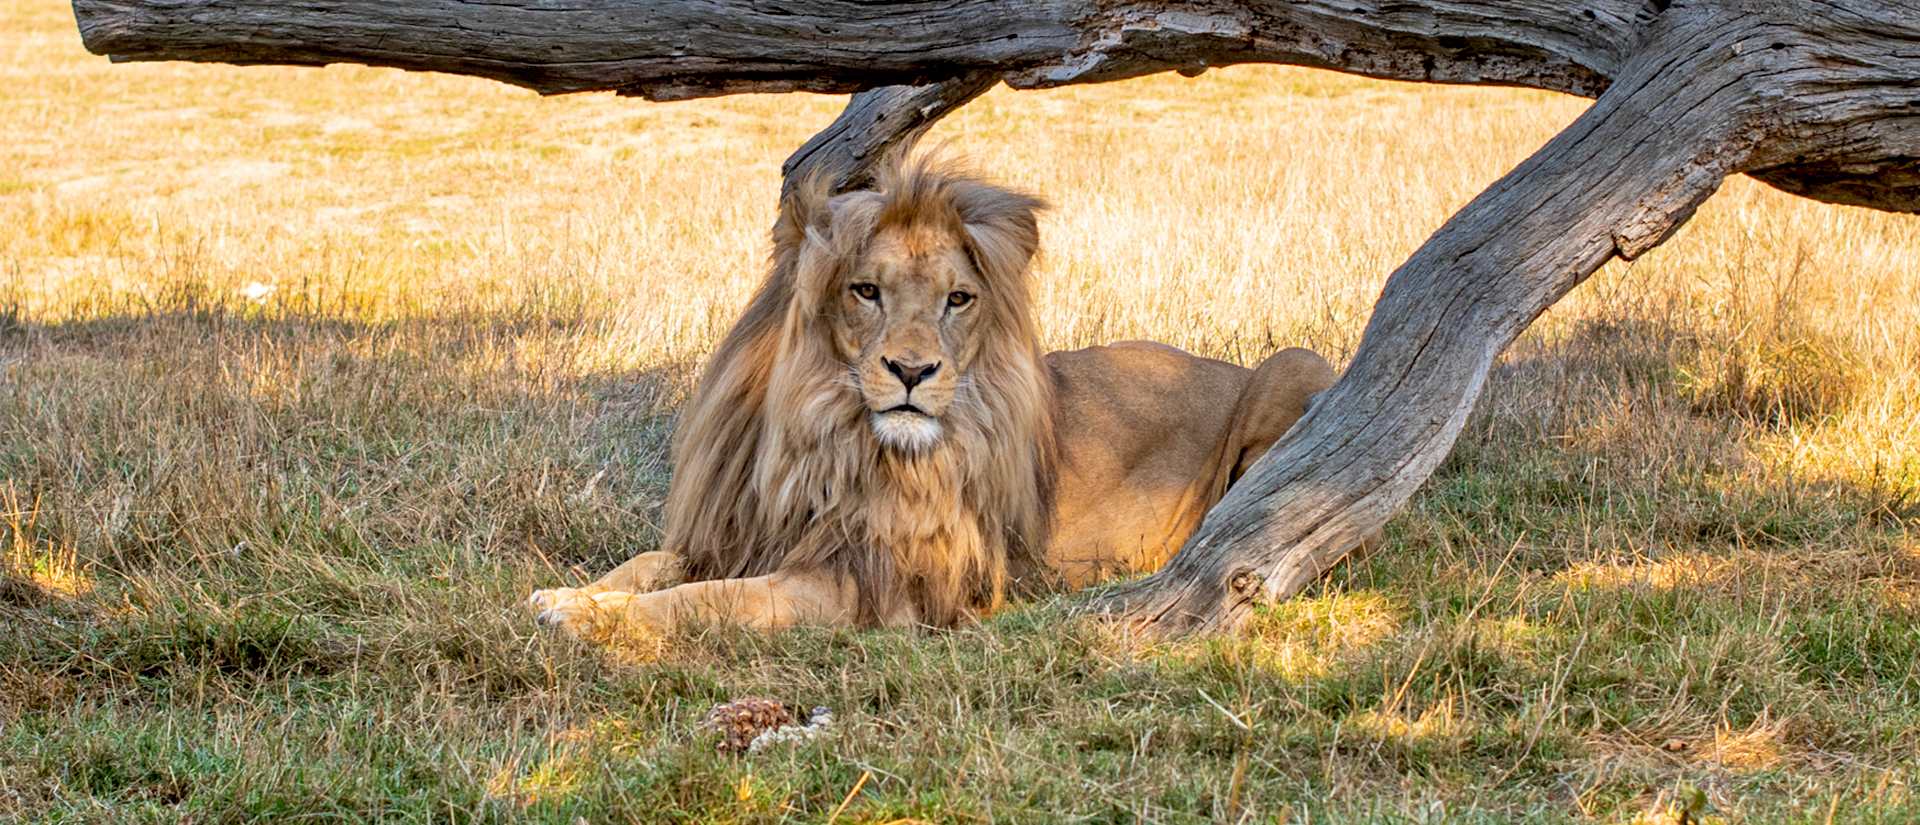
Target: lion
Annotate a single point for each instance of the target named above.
(879, 441)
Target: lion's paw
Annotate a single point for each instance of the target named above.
(543, 599)
(579, 613)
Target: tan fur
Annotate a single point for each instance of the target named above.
(879, 441)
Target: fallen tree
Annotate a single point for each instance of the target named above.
(1820, 98)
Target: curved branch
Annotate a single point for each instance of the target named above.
(1716, 90)
(677, 49)
(1617, 181)
(876, 122)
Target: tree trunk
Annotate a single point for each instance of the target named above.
(1619, 179)
(1817, 97)
(1709, 94)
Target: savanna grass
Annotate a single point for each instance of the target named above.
(307, 377)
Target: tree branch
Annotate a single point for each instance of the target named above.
(875, 122)
(677, 49)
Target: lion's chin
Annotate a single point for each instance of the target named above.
(905, 430)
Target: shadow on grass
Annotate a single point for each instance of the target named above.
(193, 431)
(259, 563)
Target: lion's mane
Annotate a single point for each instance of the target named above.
(775, 465)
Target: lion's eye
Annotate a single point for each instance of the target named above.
(959, 299)
(867, 292)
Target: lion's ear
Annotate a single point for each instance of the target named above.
(799, 208)
(1002, 229)
(831, 240)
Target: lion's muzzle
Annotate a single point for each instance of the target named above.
(910, 375)
(906, 428)
(905, 400)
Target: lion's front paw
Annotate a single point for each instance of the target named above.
(543, 599)
(579, 613)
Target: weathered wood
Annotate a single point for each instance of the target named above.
(680, 49)
(1816, 97)
(692, 48)
(1710, 94)
(875, 122)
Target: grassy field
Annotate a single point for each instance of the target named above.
(308, 377)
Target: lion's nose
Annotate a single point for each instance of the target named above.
(911, 375)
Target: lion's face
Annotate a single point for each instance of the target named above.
(881, 410)
(905, 324)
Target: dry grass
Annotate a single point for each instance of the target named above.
(259, 548)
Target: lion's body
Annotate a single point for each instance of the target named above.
(1148, 443)
(879, 441)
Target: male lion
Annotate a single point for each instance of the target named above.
(878, 440)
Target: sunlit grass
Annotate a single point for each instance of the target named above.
(308, 376)
(29, 571)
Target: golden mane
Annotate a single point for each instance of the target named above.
(776, 468)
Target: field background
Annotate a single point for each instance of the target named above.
(308, 377)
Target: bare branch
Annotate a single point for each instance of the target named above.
(693, 48)
(876, 122)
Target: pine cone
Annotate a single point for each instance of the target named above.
(738, 722)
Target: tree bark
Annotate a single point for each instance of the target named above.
(676, 49)
(1710, 93)
(875, 122)
(1816, 97)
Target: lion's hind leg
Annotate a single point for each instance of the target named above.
(1276, 396)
